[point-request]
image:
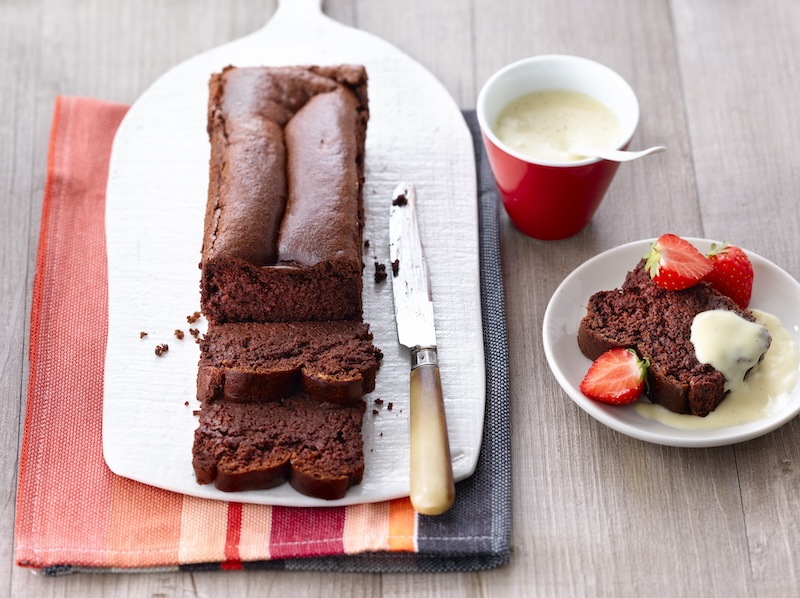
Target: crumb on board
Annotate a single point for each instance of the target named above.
(179, 334)
(400, 200)
(379, 401)
(161, 349)
(374, 412)
(390, 406)
(395, 267)
(142, 334)
(194, 317)
(380, 272)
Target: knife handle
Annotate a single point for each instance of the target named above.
(431, 474)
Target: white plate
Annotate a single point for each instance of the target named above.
(155, 206)
(774, 291)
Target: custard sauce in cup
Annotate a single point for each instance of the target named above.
(547, 192)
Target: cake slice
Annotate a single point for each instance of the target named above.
(252, 446)
(333, 362)
(284, 217)
(657, 323)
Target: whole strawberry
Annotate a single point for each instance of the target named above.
(675, 264)
(732, 273)
(617, 377)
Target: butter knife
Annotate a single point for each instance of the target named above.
(432, 489)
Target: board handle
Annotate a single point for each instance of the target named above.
(299, 7)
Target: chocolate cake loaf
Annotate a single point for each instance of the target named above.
(286, 359)
(333, 362)
(251, 446)
(284, 218)
(657, 324)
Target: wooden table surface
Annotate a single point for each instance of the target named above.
(595, 513)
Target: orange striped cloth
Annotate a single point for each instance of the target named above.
(74, 514)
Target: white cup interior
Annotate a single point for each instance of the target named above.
(557, 71)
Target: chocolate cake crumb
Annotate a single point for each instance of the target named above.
(400, 200)
(395, 267)
(194, 332)
(179, 334)
(161, 349)
(374, 412)
(186, 403)
(366, 244)
(194, 317)
(142, 334)
(390, 406)
(379, 401)
(380, 272)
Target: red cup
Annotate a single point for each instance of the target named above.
(546, 199)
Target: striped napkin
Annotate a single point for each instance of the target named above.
(74, 514)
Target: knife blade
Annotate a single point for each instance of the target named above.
(432, 489)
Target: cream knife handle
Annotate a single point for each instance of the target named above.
(432, 486)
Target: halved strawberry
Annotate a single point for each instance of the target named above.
(675, 264)
(732, 273)
(616, 377)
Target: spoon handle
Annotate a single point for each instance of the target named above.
(614, 155)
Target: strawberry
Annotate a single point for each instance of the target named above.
(732, 273)
(616, 377)
(675, 264)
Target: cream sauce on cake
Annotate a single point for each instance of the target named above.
(763, 392)
(728, 343)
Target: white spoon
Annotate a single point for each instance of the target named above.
(614, 155)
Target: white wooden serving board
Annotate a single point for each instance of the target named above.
(157, 193)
